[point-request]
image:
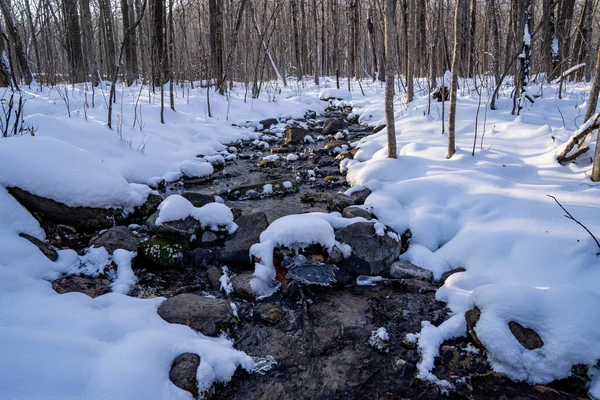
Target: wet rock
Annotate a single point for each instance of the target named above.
(314, 274)
(310, 114)
(472, 317)
(236, 250)
(404, 270)
(360, 196)
(83, 219)
(339, 201)
(268, 314)
(267, 163)
(267, 189)
(371, 254)
(280, 150)
(526, 336)
(182, 228)
(207, 316)
(331, 179)
(269, 122)
(161, 253)
(353, 211)
(296, 135)
(47, 249)
(183, 372)
(334, 125)
(148, 208)
(447, 274)
(92, 287)
(208, 238)
(241, 284)
(198, 199)
(213, 274)
(118, 237)
(200, 258)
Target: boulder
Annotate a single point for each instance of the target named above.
(118, 237)
(526, 336)
(214, 275)
(183, 372)
(406, 270)
(371, 254)
(180, 228)
(339, 201)
(295, 135)
(269, 122)
(148, 208)
(268, 314)
(198, 199)
(160, 253)
(237, 249)
(334, 125)
(83, 219)
(354, 211)
(92, 287)
(360, 196)
(241, 284)
(208, 238)
(207, 316)
(47, 249)
(319, 275)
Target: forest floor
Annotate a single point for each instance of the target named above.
(481, 224)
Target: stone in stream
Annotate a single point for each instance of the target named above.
(241, 284)
(47, 249)
(92, 287)
(118, 237)
(267, 189)
(360, 196)
(471, 318)
(207, 316)
(183, 228)
(334, 125)
(406, 270)
(371, 254)
(294, 135)
(236, 250)
(269, 122)
(526, 336)
(339, 201)
(183, 372)
(198, 199)
(355, 211)
(319, 275)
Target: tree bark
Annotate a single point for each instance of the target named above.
(454, 81)
(390, 15)
(107, 22)
(88, 37)
(15, 39)
(215, 13)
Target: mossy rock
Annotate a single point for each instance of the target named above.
(331, 179)
(278, 188)
(162, 253)
(264, 163)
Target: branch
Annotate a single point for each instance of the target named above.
(578, 139)
(569, 216)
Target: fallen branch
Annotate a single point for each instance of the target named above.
(569, 72)
(578, 139)
(569, 216)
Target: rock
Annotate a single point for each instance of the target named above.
(200, 258)
(47, 249)
(331, 179)
(267, 163)
(275, 188)
(447, 274)
(360, 196)
(83, 219)
(310, 114)
(207, 316)
(92, 287)
(241, 284)
(268, 314)
(280, 150)
(118, 237)
(371, 254)
(406, 270)
(339, 201)
(269, 122)
(183, 372)
(182, 228)
(208, 238)
(379, 128)
(148, 208)
(314, 274)
(161, 253)
(472, 317)
(526, 336)
(213, 274)
(334, 125)
(295, 135)
(198, 199)
(236, 250)
(354, 211)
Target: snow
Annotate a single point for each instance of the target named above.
(125, 276)
(341, 94)
(56, 170)
(292, 157)
(364, 280)
(211, 215)
(198, 168)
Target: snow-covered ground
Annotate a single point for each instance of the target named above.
(487, 213)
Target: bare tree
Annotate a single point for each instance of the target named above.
(17, 43)
(454, 80)
(390, 15)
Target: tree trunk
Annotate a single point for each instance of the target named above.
(410, 56)
(454, 81)
(232, 47)
(157, 43)
(4, 67)
(15, 39)
(390, 15)
(127, 43)
(107, 22)
(354, 55)
(215, 13)
(297, 58)
(371, 30)
(316, 43)
(547, 45)
(472, 40)
(88, 37)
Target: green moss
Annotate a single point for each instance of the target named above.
(162, 252)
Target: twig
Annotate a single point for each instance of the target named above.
(569, 216)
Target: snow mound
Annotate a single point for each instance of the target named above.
(196, 168)
(211, 215)
(56, 170)
(339, 94)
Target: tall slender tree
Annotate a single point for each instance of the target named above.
(390, 16)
